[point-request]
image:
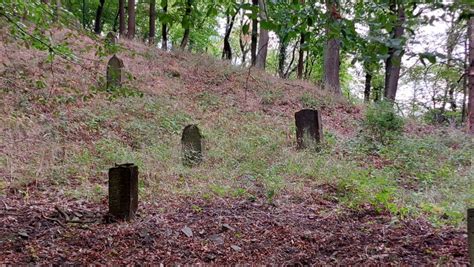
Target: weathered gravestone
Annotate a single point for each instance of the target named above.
(114, 72)
(470, 233)
(309, 131)
(191, 145)
(111, 38)
(123, 191)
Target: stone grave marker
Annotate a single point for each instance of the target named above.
(114, 72)
(191, 145)
(111, 38)
(123, 191)
(309, 130)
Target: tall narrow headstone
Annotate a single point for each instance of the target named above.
(111, 38)
(309, 130)
(470, 233)
(191, 145)
(114, 72)
(123, 191)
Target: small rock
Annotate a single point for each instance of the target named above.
(226, 227)
(236, 248)
(211, 256)
(187, 231)
(217, 239)
(23, 235)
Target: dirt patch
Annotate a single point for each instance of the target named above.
(221, 231)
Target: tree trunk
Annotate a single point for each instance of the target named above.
(282, 57)
(98, 17)
(368, 85)
(57, 11)
(151, 35)
(131, 19)
(393, 62)
(465, 80)
(263, 39)
(253, 44)
(164, 28)
(300, 68)
(331, 52)
(186, 24)
(227, 52)
(470, 105)
(122, 17)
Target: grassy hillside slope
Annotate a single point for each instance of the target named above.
(61, 131)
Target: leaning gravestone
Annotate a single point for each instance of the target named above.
(191, 145)
(309, 131)
(114, 72)
(111, 38)
(123, 191)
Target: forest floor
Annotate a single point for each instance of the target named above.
(254, 199)
(316, 230)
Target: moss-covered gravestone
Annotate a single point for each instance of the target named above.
(309, 130)
(111, 38)
(191, 145)
(123, 191)
(114, 72)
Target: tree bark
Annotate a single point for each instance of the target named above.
(470, 73)
(152, 33)
(131, 19)
(83, 13)
(300, 69)
(331, 51)
(186, 24)
(164, 28)
(282, 57)
(98, 17)
(253, 44)
(57, 11)
(394, 61)
(227, 52)
(368, 85)
(122, 17)
(263, 39)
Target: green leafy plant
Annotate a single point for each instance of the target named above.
(382, 124)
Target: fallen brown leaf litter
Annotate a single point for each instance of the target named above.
(313, 231)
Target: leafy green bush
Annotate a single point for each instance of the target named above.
(382, 124)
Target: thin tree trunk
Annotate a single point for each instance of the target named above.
(57, 11)
(186, 24)
(368, 85)
(263, 39)
(299, 73)
(114, 27)
(470, 105)
(131, 19)
(253, 44)
(393, 62)
(122, 17)
(282, 57)
(151, 35)
(98, 17)
(227, 52)
(83, 13)
(331, 52)
(465, 80)
(300, 68)
(164, 26)
(289, 70)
